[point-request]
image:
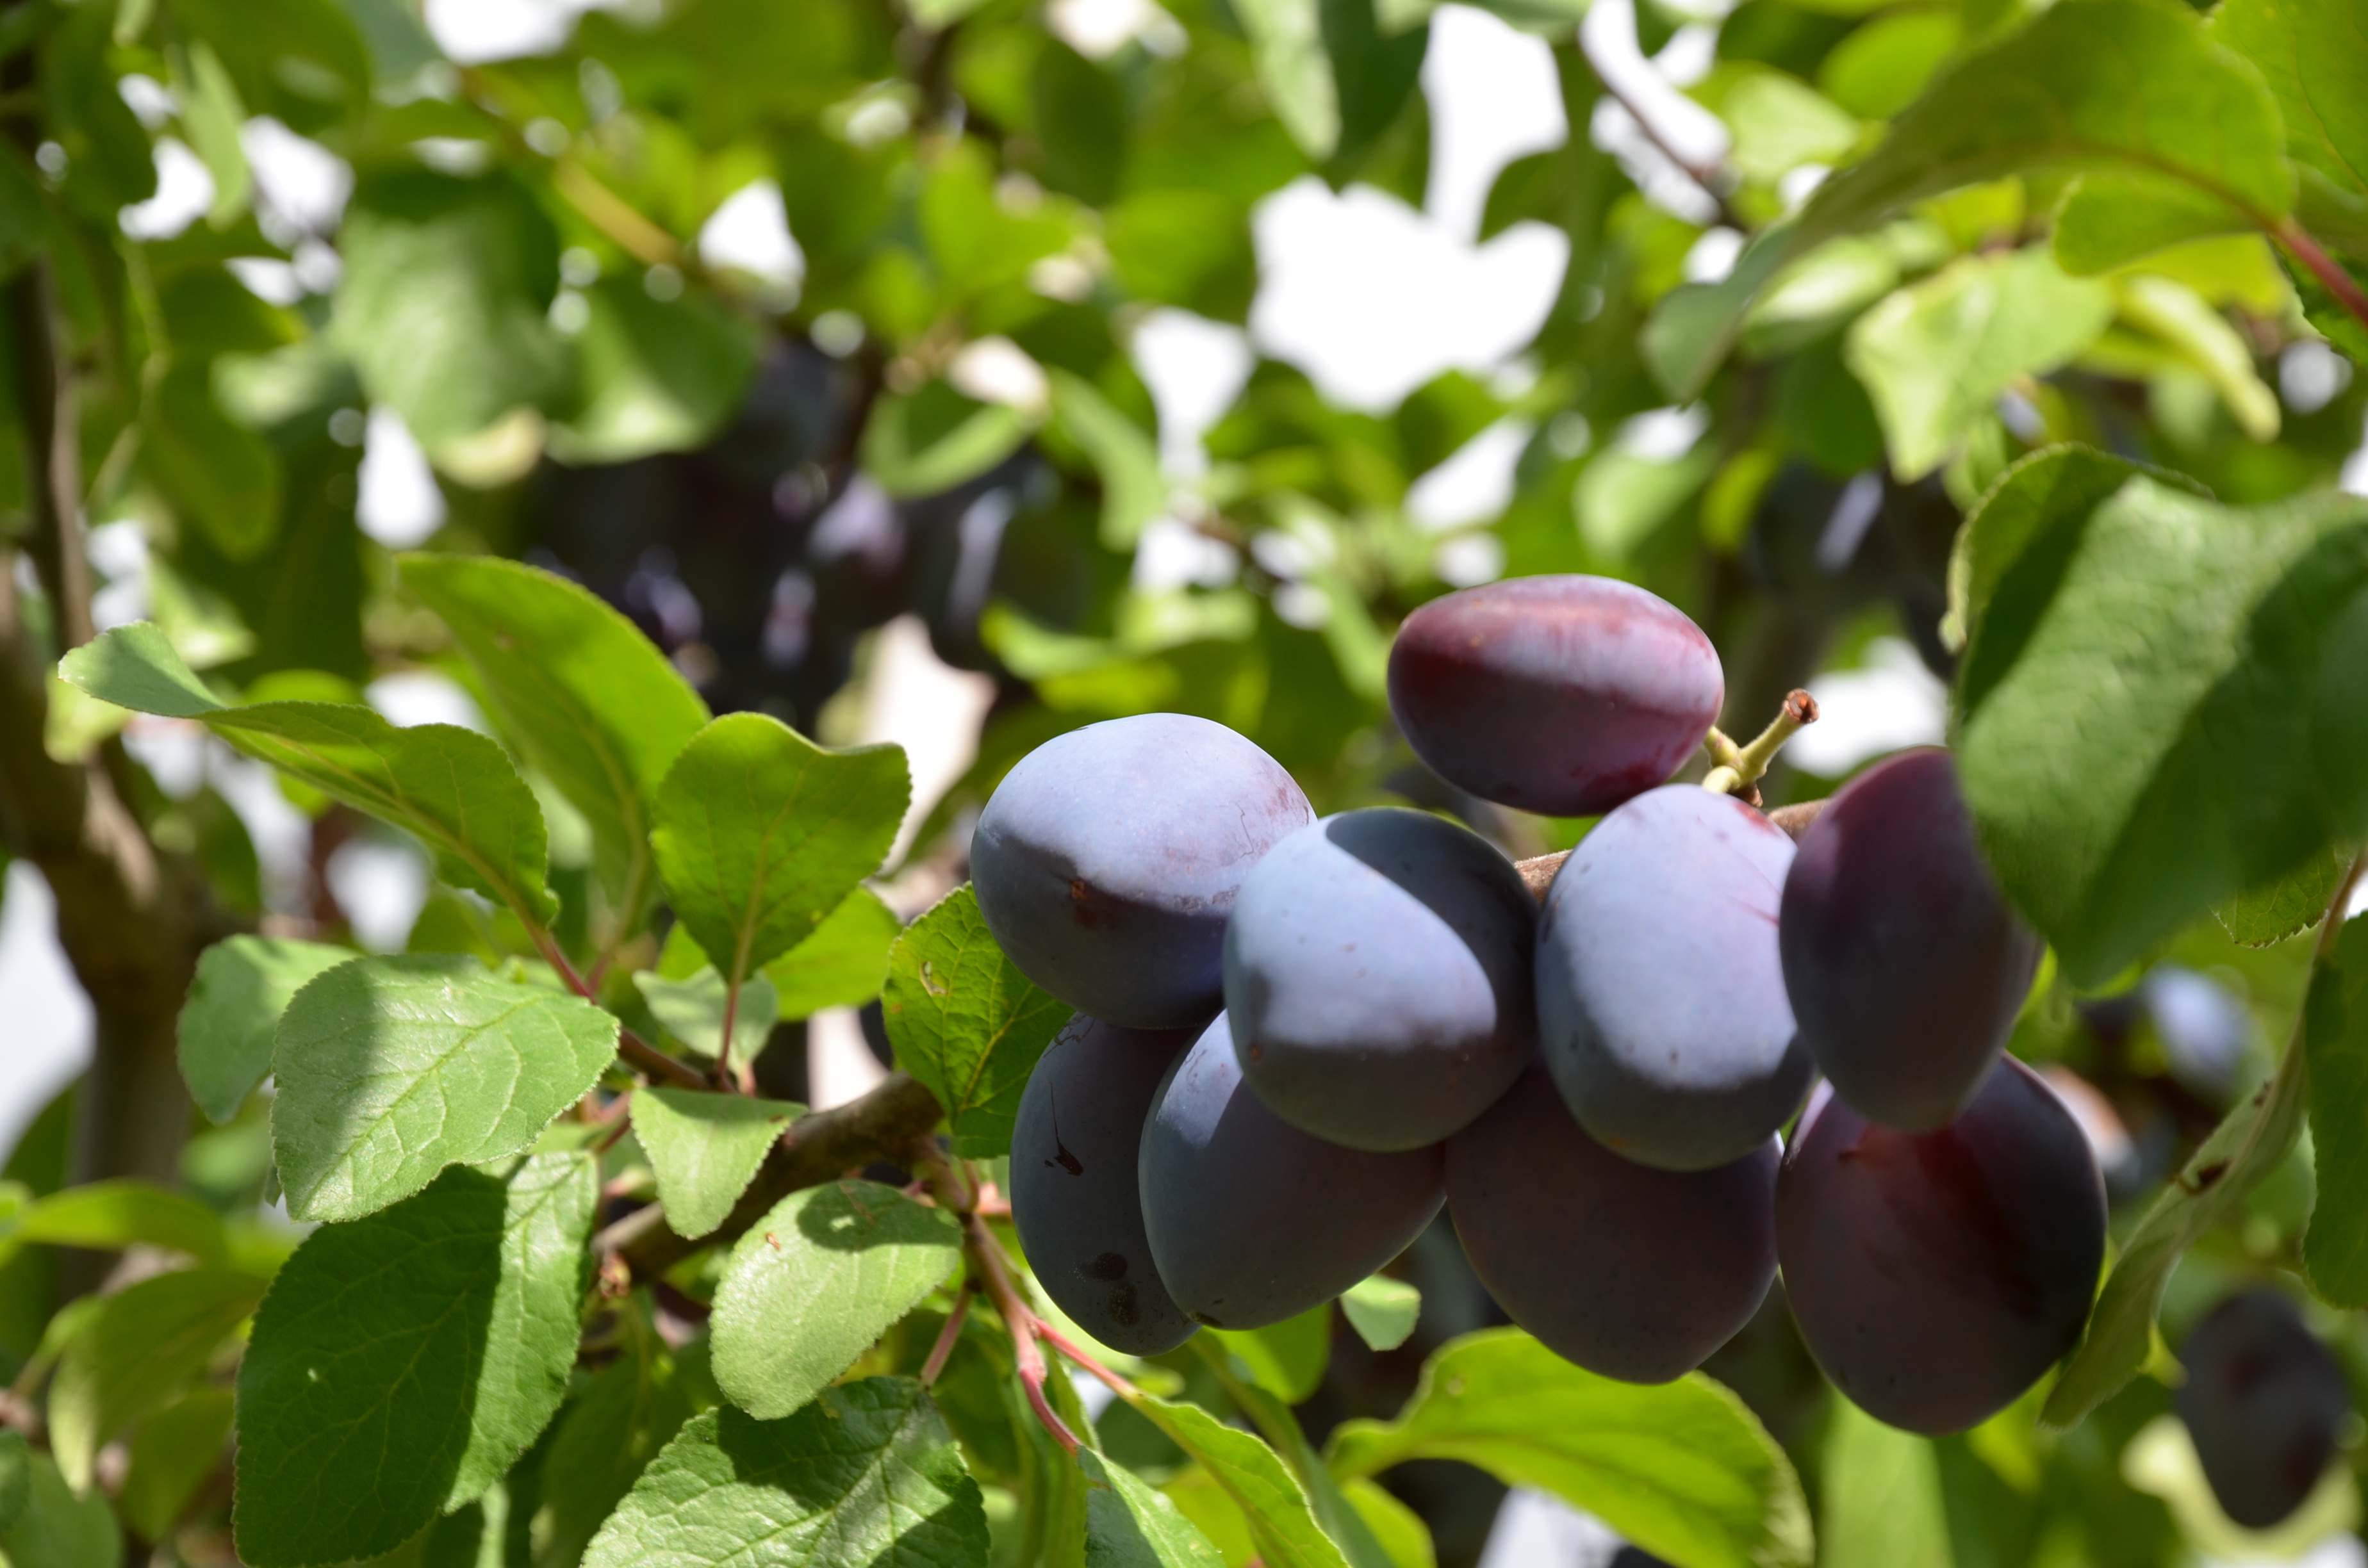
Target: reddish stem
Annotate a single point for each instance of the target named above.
(986, 1255)
(944, 1347)
(2325, 267)
(1116, 1384)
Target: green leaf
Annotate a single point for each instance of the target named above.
(2089, 84)
(1374, 72)
(1935, 355)
(15, 1478)
(966, 1022)
(590, 701)
(906, 464)
(1287, 1359)
(866, 1474)
(241, 986)
(457, 790)
(135, 667)
(1254, 1479)
(1681, 1468)
(2286, 906)
(442, 307)
(1130, 1524)
(2162, 704)
(172, 1454)
(136, 1351)
(705, 1149)
(843, 964)
(658, 376)
(760, 832)
(1382, 1310)
(1125, 457)
(2111, 218)
(390, 1069)
(2335, 1249)
(817, 1281)
(1779, 124)
(2183, 319)
(1397, 1529)
(1693, 324)
(108, 1216)
(217, 473)
(1287, 43)
(58, 1529)
(1878, 70)
(213, 114)
(692, 1011)
(1342, 1524)
(402, 1363)
(608, 1435)
(2315, 62)
(1883, 1503)
(2251, 1143)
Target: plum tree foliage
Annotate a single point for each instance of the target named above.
(2016, 340)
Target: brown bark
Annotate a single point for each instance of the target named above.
(131, 923)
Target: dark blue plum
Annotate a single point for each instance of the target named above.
(1377, 978)
(1635, 1273)
(1936, 1276)
(1904, 964)
(1660, 996)
(1073, 1152)
(1107, 861)
(1563, 695)
(2265, 1403)
(1252, 1221)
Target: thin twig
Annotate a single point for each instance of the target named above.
(944, 1347)
(984, 1255)
(1711, 179)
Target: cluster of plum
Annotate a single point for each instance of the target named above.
(1296, 1038)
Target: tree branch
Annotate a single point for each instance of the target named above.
(132, 922)
(45, 390)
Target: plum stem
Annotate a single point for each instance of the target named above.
(1733, 778)
(944, 1347)
(983, 1254)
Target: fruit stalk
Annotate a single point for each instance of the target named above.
(1751, 761)
(983, 1261)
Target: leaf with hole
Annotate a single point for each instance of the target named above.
(966, 1022)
